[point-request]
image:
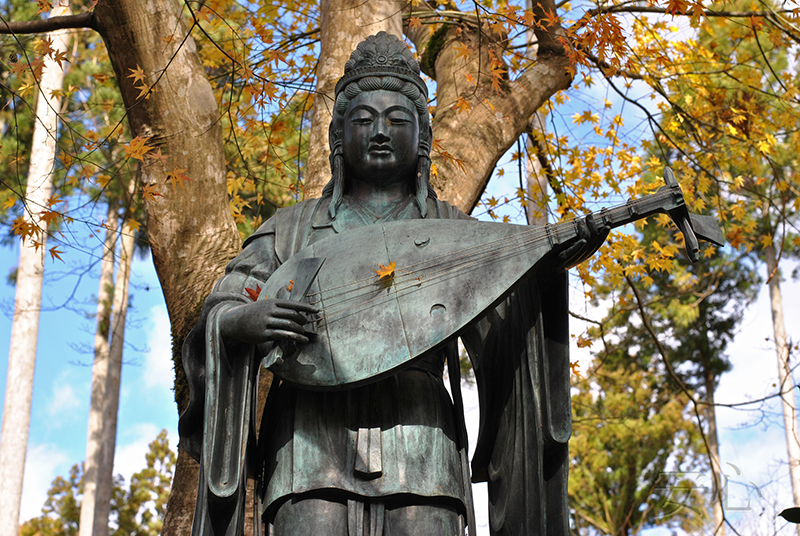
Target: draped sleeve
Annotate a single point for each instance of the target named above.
(250, 269)
(519, 352)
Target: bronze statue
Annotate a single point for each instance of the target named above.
(359, 436)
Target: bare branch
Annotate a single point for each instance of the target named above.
(67, 22)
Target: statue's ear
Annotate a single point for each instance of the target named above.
(426, 141)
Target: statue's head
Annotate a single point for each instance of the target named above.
(380, 64)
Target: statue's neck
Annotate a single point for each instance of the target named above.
(379, 198)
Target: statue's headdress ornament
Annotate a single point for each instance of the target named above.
(382, 54)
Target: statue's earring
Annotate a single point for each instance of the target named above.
(337, 169)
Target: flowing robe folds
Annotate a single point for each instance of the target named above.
(402, 438)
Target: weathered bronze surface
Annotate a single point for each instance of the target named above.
(362, 296)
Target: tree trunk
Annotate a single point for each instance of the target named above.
(105, 470)
(343, 24)
(786, 383)
(25, 326)
(192, 234)
(718, 479)
(119, 312)
(498, 115)
(100, 371)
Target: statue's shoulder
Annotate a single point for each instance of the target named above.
(289, 227)
(286, 217)
(445, 211)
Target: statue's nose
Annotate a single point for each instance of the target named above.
(380, 131)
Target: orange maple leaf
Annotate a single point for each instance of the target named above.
(177, 177)
(576, 368)
(149, 192)
(414, 22)
(253, 294)
(290, 286)
(462, 105)
(385, 271)
(54, 253)
(137, 148)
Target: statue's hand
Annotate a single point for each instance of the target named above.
(591, 237)
(267, 320)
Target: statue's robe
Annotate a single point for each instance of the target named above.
(402, 438)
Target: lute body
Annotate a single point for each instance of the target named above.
(447, 273)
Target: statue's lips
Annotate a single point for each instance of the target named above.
(380, 149)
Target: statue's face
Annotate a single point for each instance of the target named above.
(380, 142)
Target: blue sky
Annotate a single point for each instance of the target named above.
(60, 406)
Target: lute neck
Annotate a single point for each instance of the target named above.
(666, 199)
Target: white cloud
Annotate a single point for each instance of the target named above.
(42, 464)
(158, 371)
(63, 401)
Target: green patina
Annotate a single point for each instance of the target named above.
(435, 45)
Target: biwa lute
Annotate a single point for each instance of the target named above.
(377, 316)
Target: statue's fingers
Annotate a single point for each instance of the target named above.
(289, 314)
(280, 334)
(569, 256)
(296, 306)
(597, 232)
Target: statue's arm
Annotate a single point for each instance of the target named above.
(250, 269)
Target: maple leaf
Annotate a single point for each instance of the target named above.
(143, 91)
(462, 51)
(132, 225)
(176, 177)
(157, 156)
(43, 6)
(385, 271)
(576, 368)
(103, 180)
(59, 56)
(253, 294)
(54, 200)
(462, 105)
(414, 22)
(137, 148)
(48, 217)
(23, 228)
(149, 192)
(54, 253)
(101, 78)
(290, 286)
(138, 75)
(276, 56)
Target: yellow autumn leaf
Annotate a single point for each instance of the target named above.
(385, 271)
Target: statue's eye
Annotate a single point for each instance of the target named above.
(362, 119)
(398, 119)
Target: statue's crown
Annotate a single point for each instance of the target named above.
(382, 54)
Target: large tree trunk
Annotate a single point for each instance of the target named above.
(119, 313)
(89, 522)
(497, 117)
(192, 234)
(786, 383)
(25, 326)
(343, 24)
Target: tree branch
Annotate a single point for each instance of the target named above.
(661, 10)
(67, 22)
